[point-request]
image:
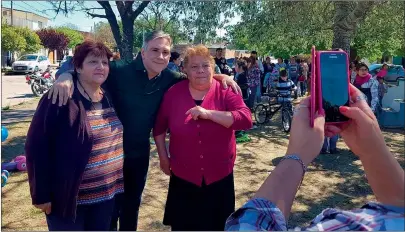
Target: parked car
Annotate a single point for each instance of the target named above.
(230, 62)
(394, 72)
(30, 63)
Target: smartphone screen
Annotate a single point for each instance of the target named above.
(335, 85)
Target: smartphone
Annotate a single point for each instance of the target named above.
(333, 84)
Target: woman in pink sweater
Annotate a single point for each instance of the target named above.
(202, 118)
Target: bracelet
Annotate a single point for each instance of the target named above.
(297, 158)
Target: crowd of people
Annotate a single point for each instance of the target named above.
(88, 144)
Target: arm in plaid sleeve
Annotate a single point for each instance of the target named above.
(261, 214)
(257, 214)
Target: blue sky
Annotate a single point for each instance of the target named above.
(77, 18)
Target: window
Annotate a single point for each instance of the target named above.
(28, 58)
(40, 24)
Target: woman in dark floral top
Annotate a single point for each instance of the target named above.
(253, 79)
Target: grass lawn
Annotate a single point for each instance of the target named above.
(332, 181)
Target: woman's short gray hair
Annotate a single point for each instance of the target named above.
(155, 35)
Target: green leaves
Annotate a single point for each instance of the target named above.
(287, 28)
(31, 38)
(74, 36)
(103, 33)
(18, 39)
(283, 28)
(381, 32)
(11, 40)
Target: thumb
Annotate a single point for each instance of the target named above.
(353, 113)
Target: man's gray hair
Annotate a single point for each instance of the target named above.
(155, 35)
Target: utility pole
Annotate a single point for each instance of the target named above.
(12, 13)
(94, 31)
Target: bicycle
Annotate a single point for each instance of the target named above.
(263, 113)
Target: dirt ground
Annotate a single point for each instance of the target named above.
(332, 181)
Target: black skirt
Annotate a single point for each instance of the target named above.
(190, 207)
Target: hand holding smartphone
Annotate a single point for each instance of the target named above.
(330, 87)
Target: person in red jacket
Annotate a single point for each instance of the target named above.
(202, 146)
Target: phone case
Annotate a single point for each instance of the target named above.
(314, 95)
(318, 82)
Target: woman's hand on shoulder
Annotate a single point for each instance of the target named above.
(62, 89)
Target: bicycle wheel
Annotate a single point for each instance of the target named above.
(286, 120)
(261, 114)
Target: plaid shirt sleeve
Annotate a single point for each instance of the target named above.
(261, 214)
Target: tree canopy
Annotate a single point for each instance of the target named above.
(19, 39)
(288, 28)
(31, 38)
(52, 39)
(74, 36)
(11, 40)
(199, 18)
(282, 28)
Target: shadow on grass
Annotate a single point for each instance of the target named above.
(27, 95)
(16, 116)
(12, 148)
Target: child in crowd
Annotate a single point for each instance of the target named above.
(382, 90)
(353, 72)
(285, 87)
(383, 72)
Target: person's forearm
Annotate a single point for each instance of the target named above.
(220, 77)
(161, 145)
(64, 76)
(386, 177)
(282, 185)
(223, 118)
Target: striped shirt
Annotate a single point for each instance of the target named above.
(103, 175)
(284, 88)
(261, 214)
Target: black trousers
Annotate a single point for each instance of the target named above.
(127, 210)
(193, 208)
(94, 217)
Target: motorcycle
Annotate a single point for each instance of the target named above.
(40, 83)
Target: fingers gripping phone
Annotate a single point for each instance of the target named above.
(331, 85)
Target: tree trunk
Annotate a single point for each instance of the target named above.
(341, 36)
(347, 20)
(126, 47)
